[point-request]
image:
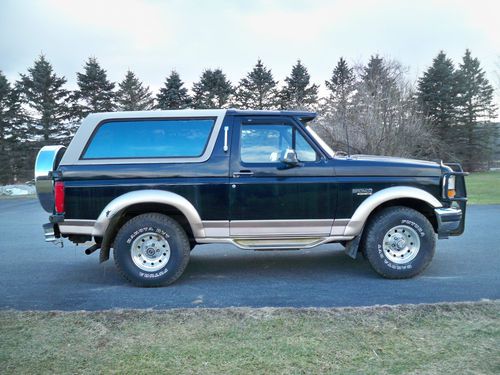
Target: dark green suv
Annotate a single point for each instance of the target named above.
(152, 185)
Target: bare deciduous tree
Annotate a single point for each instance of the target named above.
(382, 115)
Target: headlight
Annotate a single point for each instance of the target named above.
(451, 187)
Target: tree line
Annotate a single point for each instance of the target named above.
(369, 108)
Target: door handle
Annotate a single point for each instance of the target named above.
(242, 173)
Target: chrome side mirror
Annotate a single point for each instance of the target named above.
(290, 158)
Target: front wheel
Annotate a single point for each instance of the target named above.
(399, 242)
(151, 250)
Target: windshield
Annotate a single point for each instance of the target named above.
(321, 142)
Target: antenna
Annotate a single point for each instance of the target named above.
(346, 133)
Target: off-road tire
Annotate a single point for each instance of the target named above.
(171, 231)
(380, 226)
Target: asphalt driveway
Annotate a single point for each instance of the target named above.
(35, 275)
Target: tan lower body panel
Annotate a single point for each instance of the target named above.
(252, 234)
(70, 226)
(275, 228)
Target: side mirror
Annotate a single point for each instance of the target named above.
(290, 158)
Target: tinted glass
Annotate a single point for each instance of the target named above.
(303, 149)
(267, 143)
(150, 139)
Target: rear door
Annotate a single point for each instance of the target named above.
(269, 199)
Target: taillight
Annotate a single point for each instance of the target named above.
(59, 196)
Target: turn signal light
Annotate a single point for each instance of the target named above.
(451, 193)
(59, 197)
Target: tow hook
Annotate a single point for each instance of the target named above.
(92, 248)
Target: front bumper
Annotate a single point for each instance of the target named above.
(449, 221)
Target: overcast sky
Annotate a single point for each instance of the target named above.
(153, 37)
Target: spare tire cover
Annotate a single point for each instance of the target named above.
(47, 160)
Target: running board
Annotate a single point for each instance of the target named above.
(276, 243)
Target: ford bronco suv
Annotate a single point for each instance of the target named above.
(152, 185)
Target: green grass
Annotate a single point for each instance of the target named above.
(483, 187)
(431, 339)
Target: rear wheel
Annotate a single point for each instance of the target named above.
(151, 250)
(399, 242)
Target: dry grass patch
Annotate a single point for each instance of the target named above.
(435, 339)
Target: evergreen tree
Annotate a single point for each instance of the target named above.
(341, 85)
(298, 92)
(437, 93)
(257, 90)
(375, 75)
(379, 85)
(13, 139)
(338, 105)
(7, 113)
(132, 95)
(95, 91)
(474, 112)
(173, 95)
(48, 102)
(213, 90)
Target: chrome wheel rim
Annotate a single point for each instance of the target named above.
(401, 244)
(150, 251)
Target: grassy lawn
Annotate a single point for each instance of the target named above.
(432, 339)
(483, 187)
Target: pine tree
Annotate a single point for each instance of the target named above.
(341, 85)
(6, 129)
(48, 102)
(13, 150)
(95, 91)
(437, 93)
(173, 95)
(338, 105)
(132, 95)
(378, 77)
(377, 88)
(257, 90)
(298, 92)
(213, 90)
(474, 112)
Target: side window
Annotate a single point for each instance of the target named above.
(165, 138)
(267, 143)
(303, 149)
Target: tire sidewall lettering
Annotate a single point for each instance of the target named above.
(149, 229)
(415, 226)
(380, 260)
(146, 229)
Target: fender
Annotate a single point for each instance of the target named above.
(358, 220)
(119, 204)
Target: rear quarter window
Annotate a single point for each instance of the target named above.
(159, 138)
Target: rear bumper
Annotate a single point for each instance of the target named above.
(449, 221)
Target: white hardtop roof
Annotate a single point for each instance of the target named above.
(157, 113)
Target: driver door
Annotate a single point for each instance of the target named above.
(269, 198)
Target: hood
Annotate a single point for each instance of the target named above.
(372, 165)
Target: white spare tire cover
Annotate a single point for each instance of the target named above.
(47, 160)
